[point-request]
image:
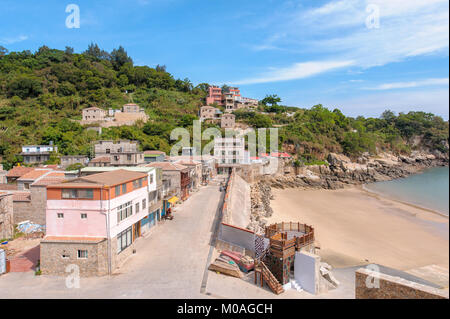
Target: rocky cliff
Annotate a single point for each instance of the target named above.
(341, 171)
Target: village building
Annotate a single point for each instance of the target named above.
(231, 99)
(94, 222)
(208, 112)
(100, 161)
(155, 188)
(6, 216)
(176, 177)
(154, 156)
(16, 172)
(68, 160)
(121, 153)
(195, 172)
(128, 115)
(214, 95)
(93, 115)
(228, 120)
(229, 152)
(208, 165)
(33, 154)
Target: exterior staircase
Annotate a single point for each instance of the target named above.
(295, 285)
(269, 278)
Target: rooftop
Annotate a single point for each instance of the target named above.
(34, 174)
(101, 159)
(167, 166)
(19, 171)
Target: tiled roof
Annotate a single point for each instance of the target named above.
(33, 175)
(18, 171)
(113, 177)
(49, 179)
(101, 159)
(168, 166)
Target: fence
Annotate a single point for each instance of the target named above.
(305, 234)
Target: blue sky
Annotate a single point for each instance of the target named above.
(306, 51)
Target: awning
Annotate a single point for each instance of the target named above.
(173, 200)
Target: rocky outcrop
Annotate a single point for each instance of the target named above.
(260, 194)
(342, 171)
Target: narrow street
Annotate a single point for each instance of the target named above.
(169, 263)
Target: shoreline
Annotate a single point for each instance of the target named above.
(356, 227)
(379, 196)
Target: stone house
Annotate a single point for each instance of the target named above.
(227, 120)
(93, 115)
(30, 204)
(209, 113)
(68, 160)
(121, 153)
(6, 216)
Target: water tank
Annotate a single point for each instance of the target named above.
(2, 261)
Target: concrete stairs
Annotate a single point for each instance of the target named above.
(295, 285)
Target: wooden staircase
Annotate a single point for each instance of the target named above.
(266, 275)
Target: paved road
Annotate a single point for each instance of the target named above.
(169, 263)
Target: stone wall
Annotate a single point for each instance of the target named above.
(6, 216)
(53, 263)
(33, 210)
(393, 287)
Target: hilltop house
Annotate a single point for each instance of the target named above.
(231, 99)
(128, 115)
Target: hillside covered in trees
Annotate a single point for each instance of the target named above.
(43, 93)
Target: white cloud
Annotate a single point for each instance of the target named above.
(337, 30)
(295, 71)
(19, 38)
(433, 100)
(412, 84)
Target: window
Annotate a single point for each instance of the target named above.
(82, 254)
(83, 216)
(124, 188)
(108, 151)
(78, 193)
(144, 204)
(117, 189)
(129, 157)
(60, 215)
(124, 211)
(137, 207)
(151, 179)
(152, 197)
(137, 183)
(124, 239)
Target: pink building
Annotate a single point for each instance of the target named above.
(214, 95)
(93, 221)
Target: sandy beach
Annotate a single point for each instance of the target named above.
(355, 227)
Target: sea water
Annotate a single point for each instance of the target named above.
(428, 189)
